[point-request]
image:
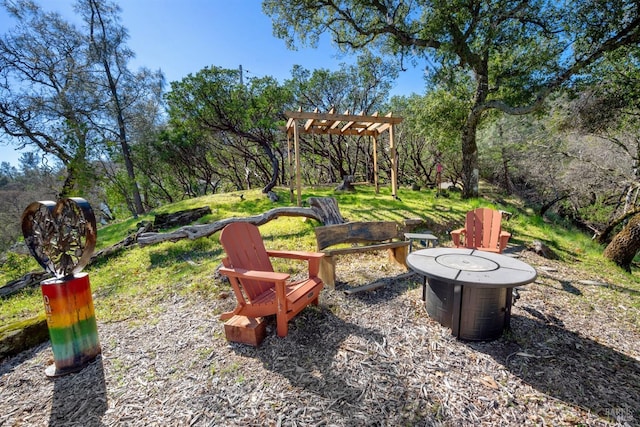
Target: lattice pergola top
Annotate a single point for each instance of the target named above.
(341, 124)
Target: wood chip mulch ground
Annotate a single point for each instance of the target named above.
(365, 359)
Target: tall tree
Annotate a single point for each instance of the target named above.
(68, 91)
(609, 110)
(45, 93)
(107, 48)
(511, 54)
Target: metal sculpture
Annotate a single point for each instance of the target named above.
(61, 237)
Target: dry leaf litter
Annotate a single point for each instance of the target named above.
(366, 359)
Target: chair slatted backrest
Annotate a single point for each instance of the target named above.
(483, 227)
(245, 249)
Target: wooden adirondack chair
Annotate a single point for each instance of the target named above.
(259, 290)
(482, 231)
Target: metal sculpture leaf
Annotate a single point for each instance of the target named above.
(60, 236)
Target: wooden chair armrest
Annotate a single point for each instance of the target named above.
(302, 255)
(456, 234)
(503, 239)
(312, 257)
(267, 276)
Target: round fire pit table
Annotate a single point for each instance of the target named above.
(469, 290)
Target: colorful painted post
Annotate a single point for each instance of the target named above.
(72, 323)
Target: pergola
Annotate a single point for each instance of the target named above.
(340, 124)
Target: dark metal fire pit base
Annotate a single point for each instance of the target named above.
(474, 314)
(484, 313)
(439, 301)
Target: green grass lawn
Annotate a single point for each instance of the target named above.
(124, 284)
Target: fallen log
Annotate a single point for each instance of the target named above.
(22, 335)
(130, 240)
(323, 209)
(30, 279)
(180, 218)
(193, 232)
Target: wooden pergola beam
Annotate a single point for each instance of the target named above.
(304, 115)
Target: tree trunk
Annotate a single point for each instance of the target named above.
(470, 168)
(118, 107)
(508, 184)
(326, 209)
(470, 171)
(625, 244)
(545, 207)
(274, 168)
(604, 234)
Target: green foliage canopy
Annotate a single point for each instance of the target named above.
(215, 100)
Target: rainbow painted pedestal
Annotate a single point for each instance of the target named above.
(72, 323)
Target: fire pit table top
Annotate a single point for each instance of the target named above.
(471, 267)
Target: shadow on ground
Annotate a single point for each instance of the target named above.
(80, 398)
(567, 366)
(317, 368)
(343, 364)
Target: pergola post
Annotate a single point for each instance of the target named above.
(394, 165)
(296, 145)
(375, 164)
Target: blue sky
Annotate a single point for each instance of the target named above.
(181, 37)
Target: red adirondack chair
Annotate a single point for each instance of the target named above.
(259, 290)
(482, 231)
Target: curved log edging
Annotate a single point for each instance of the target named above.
(193, 232)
